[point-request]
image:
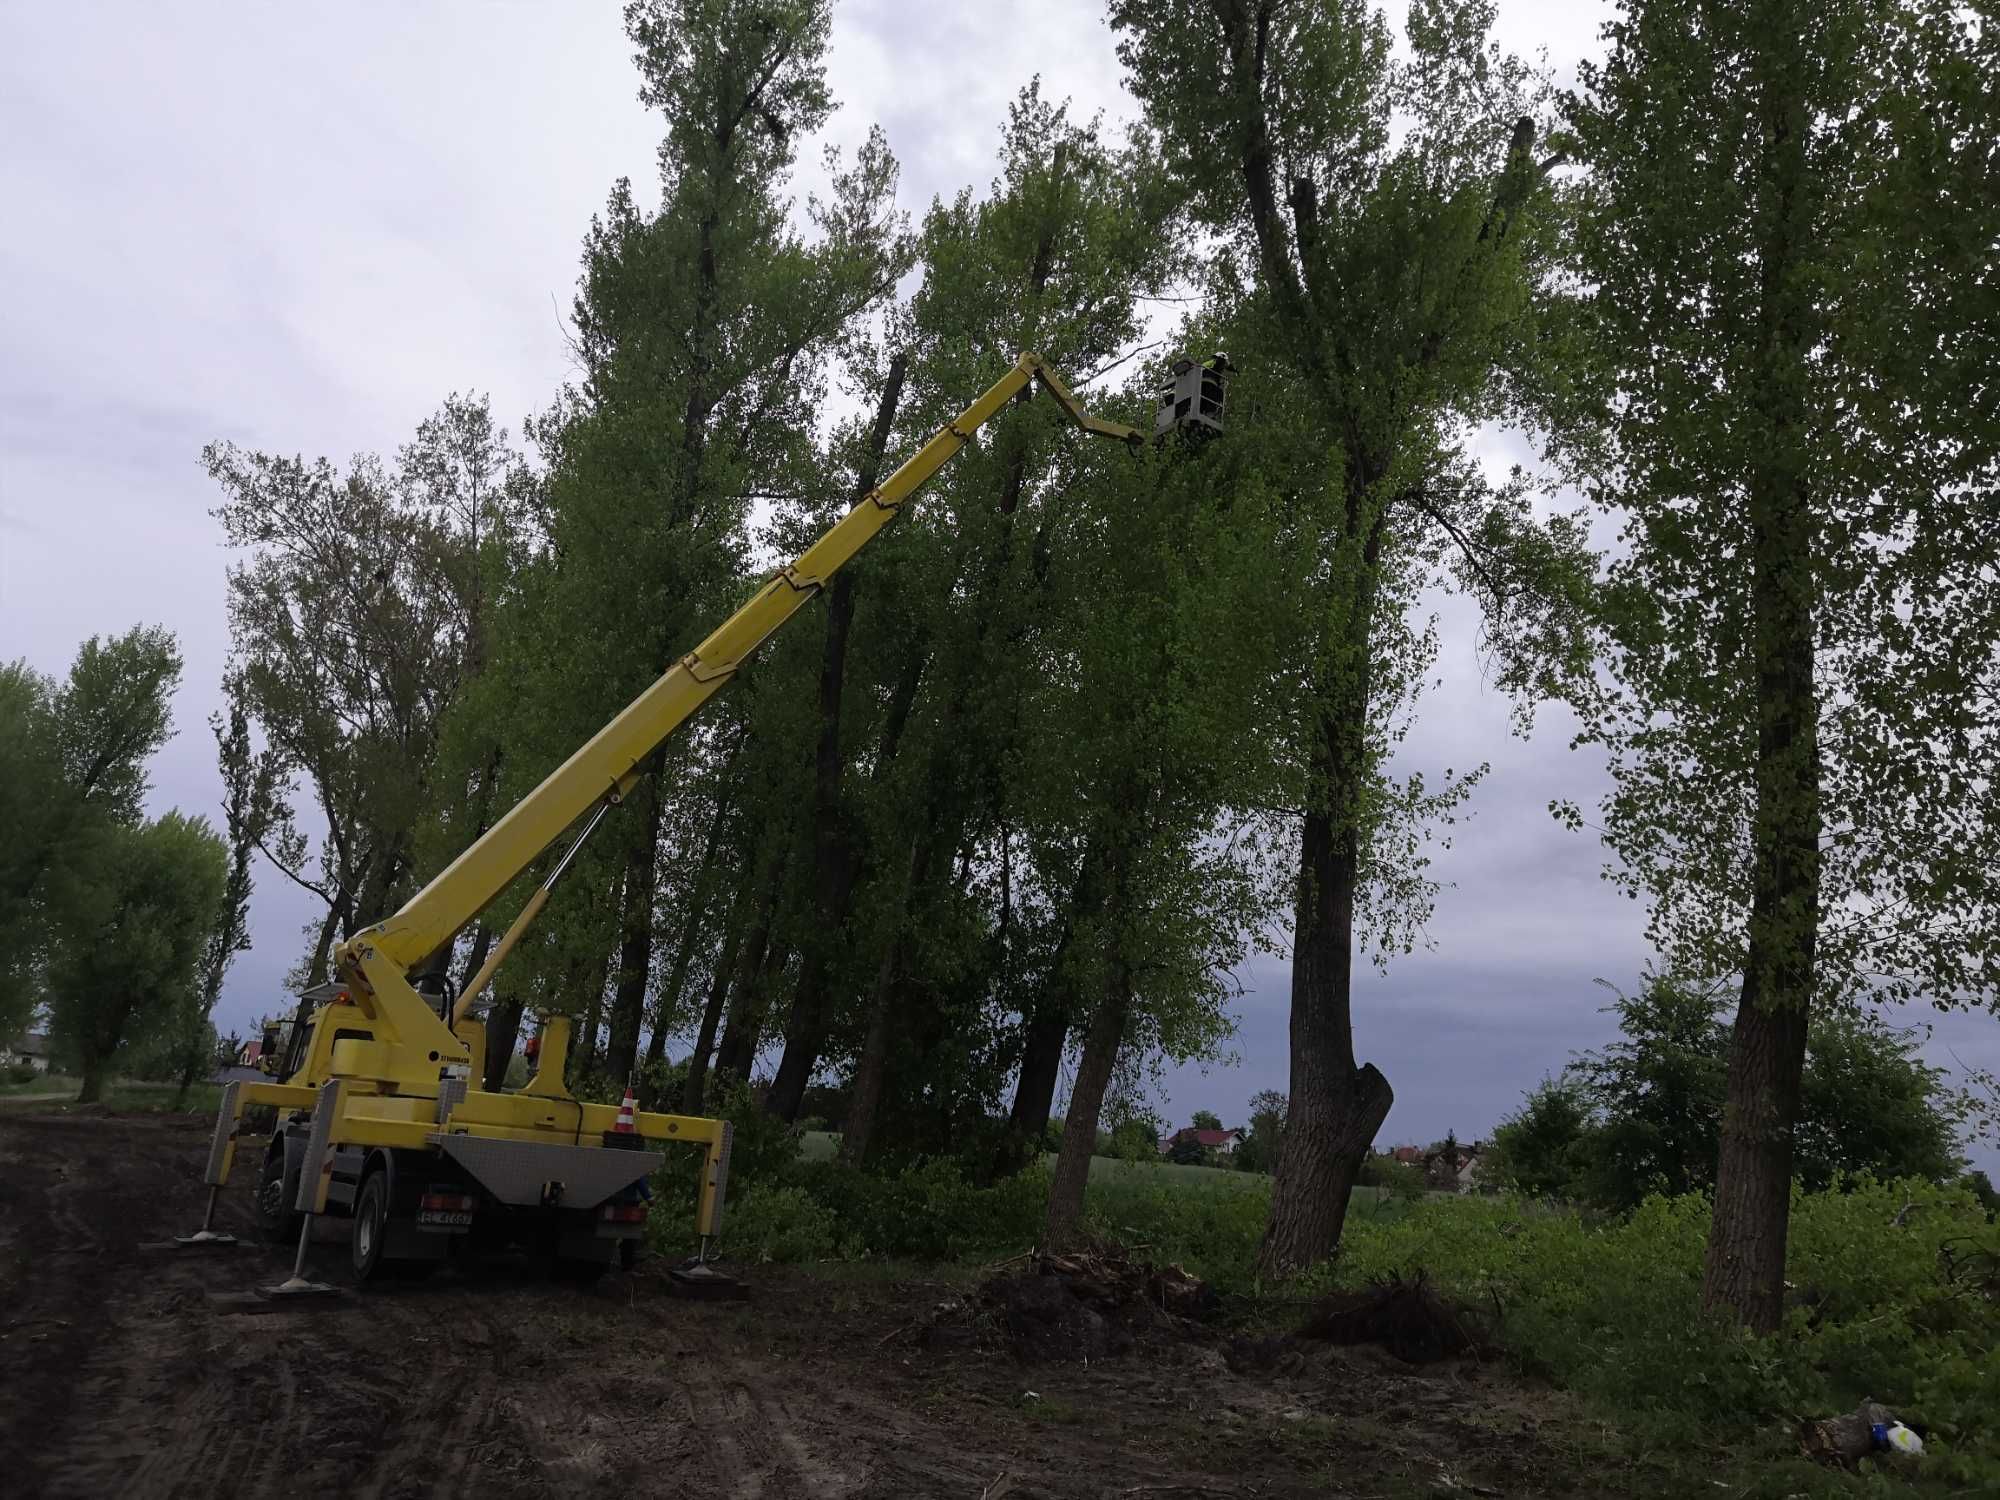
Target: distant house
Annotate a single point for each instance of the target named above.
(1221, 1142)
(1453, 1170)
(31, 1048)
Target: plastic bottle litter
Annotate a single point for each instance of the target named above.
(1898, 1440)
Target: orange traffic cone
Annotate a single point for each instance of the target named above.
(625, 1125)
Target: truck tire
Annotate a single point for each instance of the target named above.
(371, 1228)
(277, 1191)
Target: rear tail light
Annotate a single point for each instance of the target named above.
(625, 1213)
(448, 1203)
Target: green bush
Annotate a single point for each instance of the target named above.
(20, 1073)
(763, 1151)
(929, 1212)
(786, 1225)
(1613, 1311)
(1210, 1228)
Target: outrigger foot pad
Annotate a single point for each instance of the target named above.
(298, 1286)
(204, 1237)
(697, 1278)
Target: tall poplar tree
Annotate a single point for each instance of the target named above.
(1383, 248)
(1789, 235)
(701, 331)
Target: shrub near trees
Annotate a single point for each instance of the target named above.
(129, 937)
(1644, 1115)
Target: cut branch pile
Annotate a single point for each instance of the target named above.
(1082, 1306)
(1406, 1316)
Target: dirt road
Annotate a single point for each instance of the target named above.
(119, 1376)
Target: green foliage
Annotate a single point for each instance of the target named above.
(782, 1223)
(73, 760)
(129, 938)
(1644, 1115)
(1382, 1171)
(1983, 1192)
(1135, 1138)
(1205, 1119)
(1262, 1140)
(1541, 1149)
(1189, 1152)
(1890, 1305)
(930, 1212)
(358, 612)
(1387, 290)
(1747, 282)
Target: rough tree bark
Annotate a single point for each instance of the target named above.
(1064, 1222)
(1336, 1107)
(319, 969)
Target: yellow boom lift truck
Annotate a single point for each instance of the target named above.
(378, 1119)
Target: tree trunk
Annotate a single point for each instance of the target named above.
(319, 970)
(1744, 1274)
(583, 1054)
(1064, 1223)
(385, 867)
(503, 1034)
(691, 928)
(871, 1069)
(1745, 1265)
(663, 1013)
(749, 992)
(1336, 1108)
(93, 1080)
(635, 941)
(833, 845)
(475, 958)
(1046, 1033)
(734, 922)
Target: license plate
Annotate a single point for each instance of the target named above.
(438, 1218)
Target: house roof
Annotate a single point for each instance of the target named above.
(31, 1044)
(1204, 1137)
(1409, 1154)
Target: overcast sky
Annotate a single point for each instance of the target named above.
(299, 228)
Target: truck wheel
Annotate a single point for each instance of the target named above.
(277, 1221)
(371, 1227)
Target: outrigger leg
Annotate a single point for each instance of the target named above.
(207, 1235)
(311, 1197)
(296, 1285)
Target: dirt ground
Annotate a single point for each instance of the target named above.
(120, 1376)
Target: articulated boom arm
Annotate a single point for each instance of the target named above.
(606, 768)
